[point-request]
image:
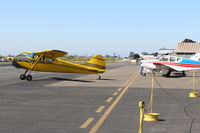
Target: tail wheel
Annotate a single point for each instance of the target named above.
(99, 76)
(29, 78)
(22, 76)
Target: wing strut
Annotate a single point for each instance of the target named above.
(36, 61)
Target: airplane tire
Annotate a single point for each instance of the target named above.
(183, 73)
(22, 76)
(29, 78)
(168, 74)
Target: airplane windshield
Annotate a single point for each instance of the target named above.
(31, 55)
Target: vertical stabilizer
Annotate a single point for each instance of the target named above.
(97, 61)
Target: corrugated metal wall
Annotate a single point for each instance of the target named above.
(188, 48)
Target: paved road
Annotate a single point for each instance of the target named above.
(68, 103)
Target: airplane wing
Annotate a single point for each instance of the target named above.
(161, 66)
(177, 66)
(27, 52)
(51, 53)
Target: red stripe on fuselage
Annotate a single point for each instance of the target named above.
(175, 64)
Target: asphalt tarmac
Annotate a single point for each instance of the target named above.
(76, 103)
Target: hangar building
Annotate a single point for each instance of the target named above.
(187, 49)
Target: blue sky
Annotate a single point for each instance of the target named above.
(96, 26)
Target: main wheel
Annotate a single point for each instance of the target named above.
(168, 74)
(183, 73)
(29, 78)
(22, 76)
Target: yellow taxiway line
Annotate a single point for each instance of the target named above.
(86, 123)
(115, 93)
(100, 109)
(119, 89)
(109, 99)
(112, 106)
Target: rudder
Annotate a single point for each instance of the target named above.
(97, 61)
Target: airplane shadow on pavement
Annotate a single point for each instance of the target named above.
(66, 79)
(106, 79)
(78, 80)
(70, 79)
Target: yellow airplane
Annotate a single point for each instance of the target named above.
(9, 58)
(48, 61)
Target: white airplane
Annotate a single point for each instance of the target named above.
(166, 64)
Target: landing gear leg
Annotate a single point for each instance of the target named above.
(99, 77)
(168, 74)
(23, 76)
(25, 72)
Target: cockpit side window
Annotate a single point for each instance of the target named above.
(178, 59)
(48, 60)
(172, 59)
(164, 59)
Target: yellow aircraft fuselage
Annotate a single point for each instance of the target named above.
(59, 66)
